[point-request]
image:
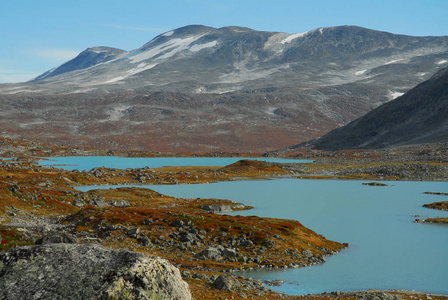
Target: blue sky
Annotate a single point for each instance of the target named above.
(37, 35)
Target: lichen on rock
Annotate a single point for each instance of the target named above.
(74, 271)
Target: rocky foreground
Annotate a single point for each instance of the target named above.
(90, 271)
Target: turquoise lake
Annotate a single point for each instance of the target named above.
(90, 162)
(387, 250)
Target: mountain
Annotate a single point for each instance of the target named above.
(199, 88)
(88, 58)
(419, 116)
(200, 59)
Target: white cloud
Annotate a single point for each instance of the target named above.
(54, 55)
(152, 29)
(14, 76)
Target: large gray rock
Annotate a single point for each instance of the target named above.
(73, 271)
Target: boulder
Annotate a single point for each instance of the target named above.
(79, 202)
(225, 283)
(229, 252)
(188, 237)
(73, 271)
(99, 203)
(57, 238)
(210, 253)
(133, 233)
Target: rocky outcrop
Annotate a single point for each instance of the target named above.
(73, 271)
(217, 208)
(374, 184)
(368, 295)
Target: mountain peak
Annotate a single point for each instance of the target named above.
(90, 57)
(188, 30)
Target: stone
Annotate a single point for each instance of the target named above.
(73, 271)
(120, 203)
(55, 238)
(246, 243)
(228, 252)
(99, 203)
(114, 227)
(79, 202)
(133, 233)
(15, 188)
(178, 223)
(96, 172)
(144, 240)
(217, 208)
(225, 283)
(209, 253)
(277, 282)
(307, 253)
(188, 237)
(147, 221)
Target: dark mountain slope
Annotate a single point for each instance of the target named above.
(419, 116)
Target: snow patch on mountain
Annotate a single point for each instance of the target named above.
(442, 62)
(394, 94)
(360, 72)
(393, 61)
(140, 68)
(198, 47)
(293, 37)
(169, 33)
(165, 50)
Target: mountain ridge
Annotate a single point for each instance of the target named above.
(199, 88)
(201, 59)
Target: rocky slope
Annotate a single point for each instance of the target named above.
(73, 271)
(199, 88)
(419, 116)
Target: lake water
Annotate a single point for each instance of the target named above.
(388, 250)
(90, 162)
